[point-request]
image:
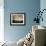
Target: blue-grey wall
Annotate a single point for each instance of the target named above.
(30, 7)
(43, 6)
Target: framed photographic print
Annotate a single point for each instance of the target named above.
(17, 19)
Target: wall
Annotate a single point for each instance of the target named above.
(42, 6)
(30, 7)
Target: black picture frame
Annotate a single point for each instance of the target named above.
(17, 19)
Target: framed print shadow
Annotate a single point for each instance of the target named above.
(17, 19)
